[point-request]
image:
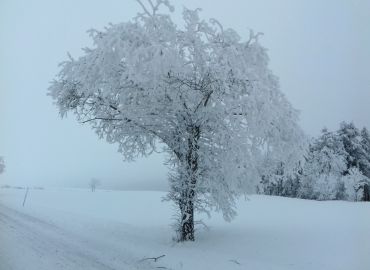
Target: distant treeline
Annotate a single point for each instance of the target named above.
(336, 167)
(19, 187)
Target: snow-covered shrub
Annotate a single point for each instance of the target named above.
(281, 182)
(355, 183)
(326, 187)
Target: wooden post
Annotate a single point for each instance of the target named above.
(25, 197)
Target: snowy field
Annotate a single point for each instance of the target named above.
(76, 229)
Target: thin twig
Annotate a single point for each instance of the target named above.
(102, 118)
(235, 261)
(155, 259)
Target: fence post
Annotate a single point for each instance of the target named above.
(25, 197)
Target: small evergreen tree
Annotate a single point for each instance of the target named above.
(2, 165)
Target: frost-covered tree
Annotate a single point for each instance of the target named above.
(2, 165)
(324, 167)
(282, 182)
(357, 175)
(93, 183)
(351, 138)
(292, 183)
(364, 163)
(273, 183)
(355, 182)
(200, 90)
(337, 167)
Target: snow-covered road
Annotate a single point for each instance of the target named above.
(32, 243)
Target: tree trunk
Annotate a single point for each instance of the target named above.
(366, 194)
(187, 223)
(188, 194)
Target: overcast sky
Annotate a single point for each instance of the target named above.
(319, 49)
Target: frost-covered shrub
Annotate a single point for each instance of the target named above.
(355, 183)
(326, 187)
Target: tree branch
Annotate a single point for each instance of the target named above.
(155, 259)
(105, 119)
(204, 100)
(144, 8)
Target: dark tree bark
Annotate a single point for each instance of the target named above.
(188, 194)
(366, 195)
(187, 223)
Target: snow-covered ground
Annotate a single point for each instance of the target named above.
(77, 229)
